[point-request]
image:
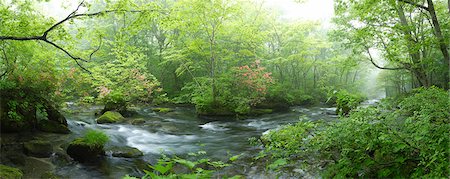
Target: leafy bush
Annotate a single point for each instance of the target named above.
(236, 92)
(95, 138)
(345, 102)
(170, 167)
(403, 138)
(283, 93)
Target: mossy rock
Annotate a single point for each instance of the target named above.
(257, 112)
(49, 175)
(110, 117)
(163, 110)
(53, 127)
(126, 152)
(7, 172)
(84, 152)
(216, 112)
(138, 121)
(38, 148)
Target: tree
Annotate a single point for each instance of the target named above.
(406, 33)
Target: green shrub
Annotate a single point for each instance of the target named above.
(95, 138)
(397, 139)
(345, 102)
(202, 168)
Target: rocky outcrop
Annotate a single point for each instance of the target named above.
(84, 152)
(20, 115)
(38, 148)
(110, 117)
(53, 127)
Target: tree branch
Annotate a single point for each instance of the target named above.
(7, 63)
(72, 15)
(380, 67)
(98, 48)
(415, 4)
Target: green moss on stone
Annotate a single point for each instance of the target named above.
(7, 172)
(261, 111)
(38, 148)
(53, 127)
(162, 110)
(126, 152)
(110, 117)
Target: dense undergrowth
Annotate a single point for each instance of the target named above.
(403, 137)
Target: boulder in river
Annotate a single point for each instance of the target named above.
(8, 172)
(83, 152)
(162, 110)
(38, 148)
(137, 121)
(110, 117)
(126, 152)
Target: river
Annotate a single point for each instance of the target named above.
(178, 132)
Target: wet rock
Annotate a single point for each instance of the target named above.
(8, 172)
(49, 175)
(137, 121)
(38, 148)
(110, 117)
(14, 158)
(162, 110)
(84, 152)
(53, 127)
(36, 167)
(168, 128)
(258, 112)
(126, 152)
(60, 157)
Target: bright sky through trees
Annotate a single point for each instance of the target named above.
(320, 10)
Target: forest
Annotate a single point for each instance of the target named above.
(224, 89)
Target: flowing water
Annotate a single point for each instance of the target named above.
(178, 132)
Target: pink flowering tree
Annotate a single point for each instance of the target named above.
(252, 82)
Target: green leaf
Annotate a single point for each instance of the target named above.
(186, 163)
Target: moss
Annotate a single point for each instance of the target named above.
(162, 110)
(7, 172)
(110, 117)
(49, 175)
(126, 152)
(138, 121)
(38, 148)
(257, 112)
(81, 151)
(53, 127)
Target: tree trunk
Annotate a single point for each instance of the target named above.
(448, 5)
(415, 55)
(441, 40)
(212, 61)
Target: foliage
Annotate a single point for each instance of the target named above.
(201, 168)
(10, 172)
(95, 138)
(345, 102)
(407, 137)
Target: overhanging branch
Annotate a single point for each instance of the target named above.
(415, 4)
(380, 67)
(72, 15)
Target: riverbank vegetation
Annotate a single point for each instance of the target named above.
(402, 137)
(238, 59)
